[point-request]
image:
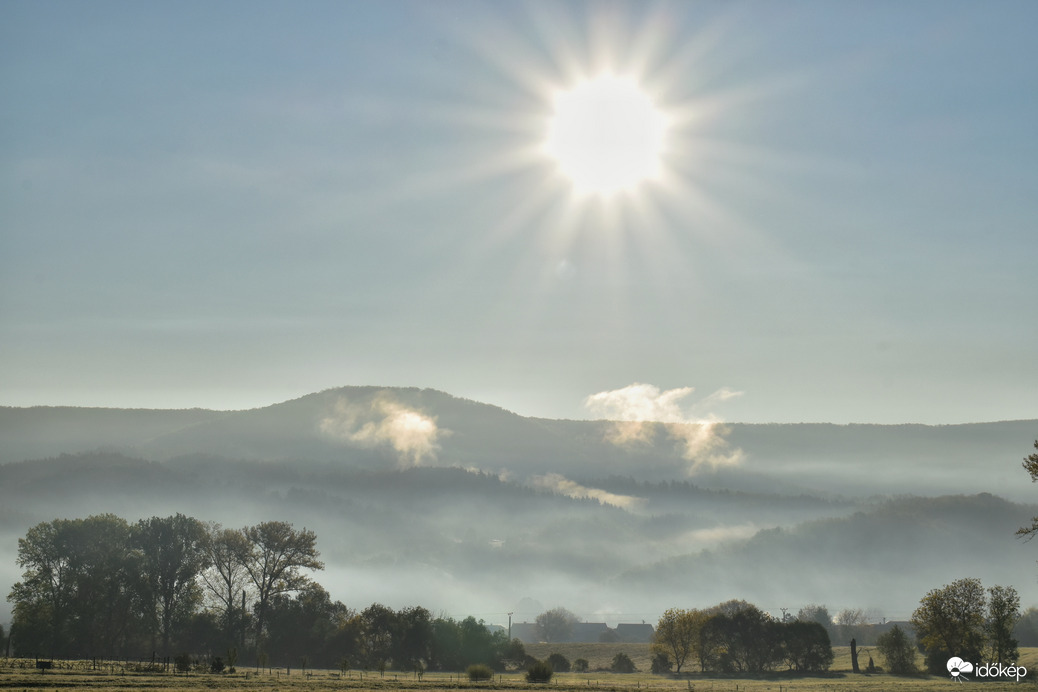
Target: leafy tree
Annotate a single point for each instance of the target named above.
(897, 650)
(677, 633)
(950, 622)
(555, 625)
(1003, 613)
(745, 641)
(580, 665)
(78, 592)
(173, 553)
(278, 553)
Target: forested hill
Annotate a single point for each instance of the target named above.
(380, 428)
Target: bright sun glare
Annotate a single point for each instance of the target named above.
(606, 135)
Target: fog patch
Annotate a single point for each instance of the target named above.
(638, 412)
(558, 483)
(385, 422)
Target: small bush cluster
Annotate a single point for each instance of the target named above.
(539, 671)
(479, 672)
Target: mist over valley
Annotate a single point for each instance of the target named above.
(418, 497)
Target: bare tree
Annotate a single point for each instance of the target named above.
(226, 578)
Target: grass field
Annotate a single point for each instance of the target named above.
(22, 675)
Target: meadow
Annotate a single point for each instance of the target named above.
(22, 674)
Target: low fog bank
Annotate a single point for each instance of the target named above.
(467, 542)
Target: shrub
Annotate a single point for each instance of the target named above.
(581, 665)
(559, 663)
(622, 663)
(479, 672)
(539, 671)
(661, 664)
(216, 666)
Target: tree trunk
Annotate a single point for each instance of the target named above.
(854, 656)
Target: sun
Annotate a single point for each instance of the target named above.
(606, 135)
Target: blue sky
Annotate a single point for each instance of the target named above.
(231, 204)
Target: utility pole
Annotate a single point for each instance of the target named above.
(510, 626)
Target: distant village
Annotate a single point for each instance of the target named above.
(586, 632)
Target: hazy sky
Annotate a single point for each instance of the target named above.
(232, 204)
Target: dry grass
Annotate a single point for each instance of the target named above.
(22, 675)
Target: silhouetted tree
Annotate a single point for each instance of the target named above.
(805, 645)
(172, 555)
(555, 625)
(1003, 612)
(278, 553)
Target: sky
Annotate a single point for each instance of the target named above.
(228, 205)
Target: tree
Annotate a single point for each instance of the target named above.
(225, 579)
(897, 650)
(173, 553)
(677, 634)
(1031, 466)
(816, 613)
(412, 638)
(555, 625)
(78, 593)
(278, 553)
(806, 646)
(378, 625)
(306, 626)
(1003, 613)
(950, 622)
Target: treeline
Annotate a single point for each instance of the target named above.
(174, 586)
(737, 637)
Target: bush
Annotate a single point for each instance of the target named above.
(539, 671)
(479, 672)
(661, 664)
(216, 666)
(622, 663)
(580, 665)
(559, 663)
